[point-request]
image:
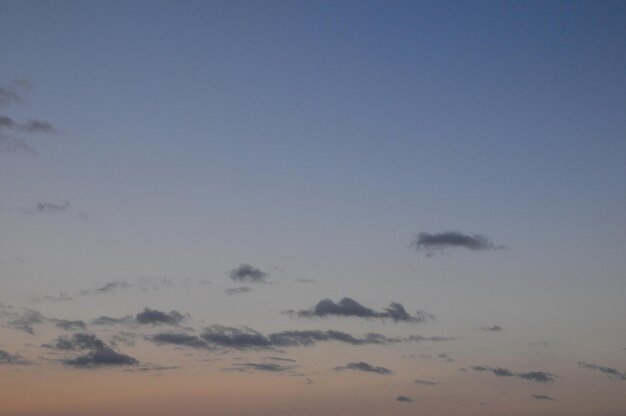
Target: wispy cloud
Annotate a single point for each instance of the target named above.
(238, 290)
(537, 376)
(543, 397)
(350, 307)
(247, 273)
(493, 328)
(611, 372)
(50, 207)
(110, 287)
(426, 383)
(69, 325)
(431, 243)
(365, 367)
(12, 359)
(269, 367)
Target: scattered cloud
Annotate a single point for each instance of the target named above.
(49, 207)
(69, 325)
(99, 353)
(180, 339)
(107, 320)
(247, 273)
(350, 307)
(101, 357)
(363, 366)
(611, 372)
(12, 359)
(154, 317)
(25, 320)
(110, 287)
(431, 243)
(271, 367)
(426, 382)
(537, 376)
(9, 95)
(237, 290)
(404, 399)
(543, 397)
(219, 336)
(61, 297)
(76, 342)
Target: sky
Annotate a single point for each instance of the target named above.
(300, 208)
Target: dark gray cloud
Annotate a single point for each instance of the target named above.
(180, 339)
(69, 325)
(537, 376)
(51, 208)
(543, 397)
(611, 372)
(271, 367)
(493, 328)
(30, 126)
(426, 382)
(247, 273)
(363, 366)
(404, 399)
(110, 287)
(350, 307)
(12, 359)
(153, 317)
(219, 336)
(77, 342)
(103, 357)
(452, 239)
(237, 290)
(288, 360)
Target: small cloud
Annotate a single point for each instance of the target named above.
(426, 383)
(12, 359)
(81, 341)
(114, 286)
(153, 317)
(237, 290)
(9, 95)
(363, 366)
(543, 397)
(611, 372)
(61, 297)
(350, 307)
(306, 280)
(404, 399)
(430, 243)
(537, 376)
(493, 328)
(247, 273)
(270, 367)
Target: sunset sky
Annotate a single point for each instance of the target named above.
(303, 208)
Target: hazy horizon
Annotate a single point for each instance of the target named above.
(301, 208)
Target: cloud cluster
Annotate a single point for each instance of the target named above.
(12, 359)
(365, 367)
(350, 307)
(98, 353)
(404, 399)
(426, 383)
(543, 397)
(219, 336)
(452, 239)
(537, 376)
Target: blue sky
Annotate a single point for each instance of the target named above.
(315, 140)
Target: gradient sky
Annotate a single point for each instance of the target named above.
(230, 165)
